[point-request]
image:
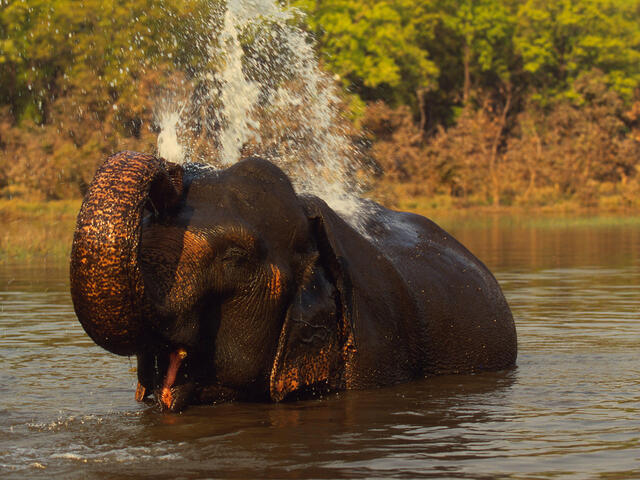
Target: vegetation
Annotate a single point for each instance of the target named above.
(462, 102)
(37, 231)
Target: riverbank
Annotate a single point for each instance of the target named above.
(615, 199)
(42, 231)
(35, 231)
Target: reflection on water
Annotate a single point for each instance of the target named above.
(569, 410)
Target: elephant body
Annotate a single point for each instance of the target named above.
(227, 284)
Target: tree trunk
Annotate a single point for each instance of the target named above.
(493, 171)
(531, 164)
(422, 106)
(466, 91)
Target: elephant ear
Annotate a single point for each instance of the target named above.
(377, 310)
(308, 349)
(316, 346)
(351, 295)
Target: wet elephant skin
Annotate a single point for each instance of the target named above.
(227, 285)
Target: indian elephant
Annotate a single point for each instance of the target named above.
(226, 284)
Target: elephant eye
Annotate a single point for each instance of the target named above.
(235, 255)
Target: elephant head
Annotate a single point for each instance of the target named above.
(212, 278)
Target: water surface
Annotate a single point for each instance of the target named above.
(570, 409)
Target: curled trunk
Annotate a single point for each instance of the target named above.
(106, 283)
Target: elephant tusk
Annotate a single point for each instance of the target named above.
(175, 360)
(141, 392)
(166, 397)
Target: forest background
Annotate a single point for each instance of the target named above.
(497, 103)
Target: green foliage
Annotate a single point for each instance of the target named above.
(384, 49)
(486, 29)
(560, 41)
(98, 50)
(380, 49)
(375, 46)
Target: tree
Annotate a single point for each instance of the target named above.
(375, 45)
(559, 41)
(50, 48)
(79, 80)
(482, 31)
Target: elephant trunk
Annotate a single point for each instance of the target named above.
(107, 288)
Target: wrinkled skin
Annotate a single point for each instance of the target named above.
(227, 285)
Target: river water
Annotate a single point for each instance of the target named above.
(571, 408)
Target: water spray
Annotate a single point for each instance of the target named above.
(264, 93)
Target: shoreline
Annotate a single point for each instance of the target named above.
(43, 230)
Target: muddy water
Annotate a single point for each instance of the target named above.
(571, 409)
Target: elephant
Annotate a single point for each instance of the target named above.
(228, 285)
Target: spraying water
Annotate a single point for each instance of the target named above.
(262, 92)
(168, 145)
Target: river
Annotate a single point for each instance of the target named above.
(571, 408)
